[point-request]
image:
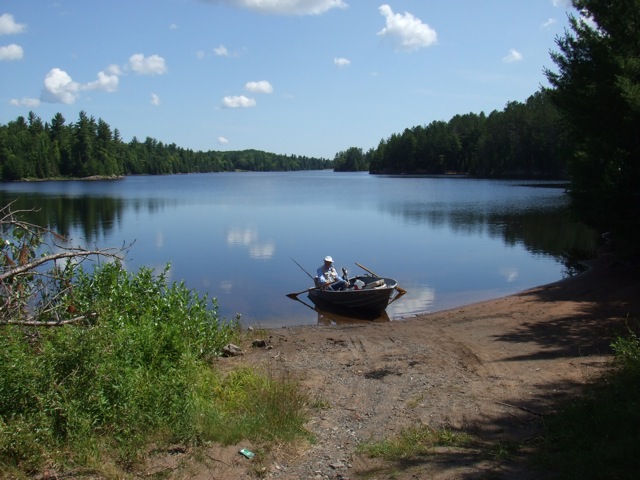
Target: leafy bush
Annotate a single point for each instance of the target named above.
(132, 373)
(96, 365)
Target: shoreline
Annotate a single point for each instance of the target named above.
(600, 264)
(91, 178)
(492, 369)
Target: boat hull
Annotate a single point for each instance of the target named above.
(369, 298)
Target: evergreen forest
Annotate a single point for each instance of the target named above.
(524, 140)
(33, 149)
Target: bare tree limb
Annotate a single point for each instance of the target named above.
(51, 323)
(56, 256)
(34, 288)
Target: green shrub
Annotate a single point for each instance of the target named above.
(132, 374)
(95, 366)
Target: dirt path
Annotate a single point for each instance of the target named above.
(491, 369)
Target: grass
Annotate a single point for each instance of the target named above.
(415, 441)
(95, 397)
(596, 436)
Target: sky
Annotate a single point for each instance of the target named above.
(295, 77)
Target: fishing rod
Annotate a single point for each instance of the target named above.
(302, 268)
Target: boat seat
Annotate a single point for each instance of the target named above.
(376, 284)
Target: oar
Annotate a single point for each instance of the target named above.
(294, 295)
(367, 270)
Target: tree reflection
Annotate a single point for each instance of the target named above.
(95, 217)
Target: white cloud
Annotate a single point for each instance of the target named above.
(8, 25)
(284, 7)
(114, 69)
(238, 101)
(259, 87)
(173, 26)
(561, 3)
(59, 87)
(221, 51)
(152, 65)
(155, 99)
(342, 62)
(407, 31)
(105, 83)
(222, 140)
(11, 52)
(549, 22)
(25, 102)
(512, 56)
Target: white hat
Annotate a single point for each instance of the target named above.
(328, 259)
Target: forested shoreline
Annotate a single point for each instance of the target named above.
(33, 149)
(524, 140)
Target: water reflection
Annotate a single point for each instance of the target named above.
(421, 298)
(95, 217)
(232, 236)
(248, 238)
(241, 236)
(510, 274)
(332, 315)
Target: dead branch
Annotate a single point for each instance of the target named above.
(50, 323)
(56, 256)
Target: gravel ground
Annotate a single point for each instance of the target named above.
(491, 369)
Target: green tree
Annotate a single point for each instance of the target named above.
(350, 160)
(104, 147)
(31, 149)
(60, 136)
(597, 87)
(14, 150)
(84, 163)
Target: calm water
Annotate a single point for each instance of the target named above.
(448, 241)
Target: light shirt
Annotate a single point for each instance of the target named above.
(327, 275)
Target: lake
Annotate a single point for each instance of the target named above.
(237, 237)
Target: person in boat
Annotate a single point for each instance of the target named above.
(328, 275)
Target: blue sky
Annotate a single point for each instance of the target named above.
(303, 77)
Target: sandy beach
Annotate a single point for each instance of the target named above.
(492, 369)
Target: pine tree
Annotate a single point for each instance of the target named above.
(597, 87)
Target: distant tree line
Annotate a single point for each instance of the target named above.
(584, 128)
(30, 148)
(523, 140)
